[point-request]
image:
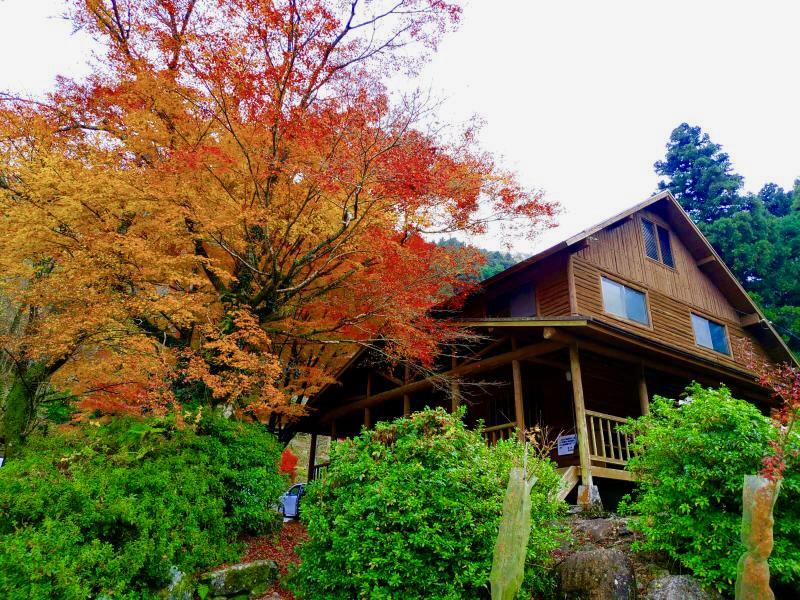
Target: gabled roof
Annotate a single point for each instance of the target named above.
(707, 259)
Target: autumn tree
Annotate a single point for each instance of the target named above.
(234, 200)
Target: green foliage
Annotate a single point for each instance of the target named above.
(109, 509)
(758, 236)
(496, 261)
(412, 509)
(690, 462)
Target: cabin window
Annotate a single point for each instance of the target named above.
(622, 301)
(519, 302)
(657, 243)
(710, 334)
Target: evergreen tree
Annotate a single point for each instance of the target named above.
(699, 174)
(757, 235)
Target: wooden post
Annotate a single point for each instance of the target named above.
(455, 391)
(580, 416)
(519, 406)
(312, 457)
(333, 430)
(406, 397)
(368, 411)
(644, 397)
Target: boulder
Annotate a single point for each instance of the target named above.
(242, 579)
(600, 574)
(597, 530)
(676, 587)
(179, 588)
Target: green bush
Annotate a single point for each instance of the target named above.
(690, 460)
(108, 510)
(412, 509)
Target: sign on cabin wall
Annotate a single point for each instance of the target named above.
(567, 443)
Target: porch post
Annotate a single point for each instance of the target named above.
(586, 493)
(312, 456)
(406, 397)
(644, 397)
(368, 411)
(519, 407)
(455, 391)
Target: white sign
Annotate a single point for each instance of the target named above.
(567, 443)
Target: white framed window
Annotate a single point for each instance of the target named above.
(710, 334)
(625, 302)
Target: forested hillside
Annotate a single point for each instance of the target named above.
(496, 261)
(758, 235)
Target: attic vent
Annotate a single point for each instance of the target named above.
(657, 244)
(650, 244)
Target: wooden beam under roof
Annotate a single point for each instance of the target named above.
(464, 370)
(751, 319)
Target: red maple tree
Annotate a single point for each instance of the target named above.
(235, 199)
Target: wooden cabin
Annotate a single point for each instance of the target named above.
(577, 339)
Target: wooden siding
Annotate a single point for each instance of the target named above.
(671, 318)
(620, 250)
(550, 284)
(552, 294)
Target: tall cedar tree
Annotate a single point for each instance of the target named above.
(235, 199)
(758, 235)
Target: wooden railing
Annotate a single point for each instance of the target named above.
(499, 432)
(319, 470)
(606, 443)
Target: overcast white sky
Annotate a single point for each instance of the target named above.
(579, 97)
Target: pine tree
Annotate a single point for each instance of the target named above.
(700, 174)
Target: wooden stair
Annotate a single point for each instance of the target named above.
(569, 479)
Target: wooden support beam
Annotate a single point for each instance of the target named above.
(750, 320)
(389, 378)
(368, 418)
(553, 334)
(367, 410)
(455, 389)
(463, 370)
(519, 401)
(312, 456)
(333, 430)
(406, 397)
(580, 416)
(608, 473)
(706, 261)
(488, 349)
(644, 397)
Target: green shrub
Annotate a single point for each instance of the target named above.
(691, 458)
(412, 509)
(108, 510)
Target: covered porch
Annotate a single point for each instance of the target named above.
(572, 380)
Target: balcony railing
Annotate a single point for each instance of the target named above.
(607, 444)
(499, 432)
(319, 470)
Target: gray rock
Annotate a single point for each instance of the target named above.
(598, 530)
(600, 574)
(245, 578)
(180, 587)
(676, 587)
